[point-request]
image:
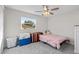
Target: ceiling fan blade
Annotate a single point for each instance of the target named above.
(38, 11)
(54, 9)
(51, 13)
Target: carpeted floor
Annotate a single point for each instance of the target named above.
(40, 48)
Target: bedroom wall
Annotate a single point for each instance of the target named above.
(64, 24)
(13, 22)
(1, 28)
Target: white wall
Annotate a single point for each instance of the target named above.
(1, 27)
(13, 22)
(64, 24)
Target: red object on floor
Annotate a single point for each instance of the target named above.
(35, 36)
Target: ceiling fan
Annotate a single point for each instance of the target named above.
(46, 11)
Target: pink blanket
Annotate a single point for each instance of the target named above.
(54, 40)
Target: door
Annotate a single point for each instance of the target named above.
(76, 44)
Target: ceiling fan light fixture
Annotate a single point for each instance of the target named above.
(46, 13)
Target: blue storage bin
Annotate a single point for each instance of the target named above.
(24, 41)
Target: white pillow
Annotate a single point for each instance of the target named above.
(24, 35)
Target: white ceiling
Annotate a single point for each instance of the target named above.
(32, 8)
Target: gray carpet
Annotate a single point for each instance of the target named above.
(40, 48)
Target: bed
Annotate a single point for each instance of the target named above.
(54, 40)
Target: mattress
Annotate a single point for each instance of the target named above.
(54, 40)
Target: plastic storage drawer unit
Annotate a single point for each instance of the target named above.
(24, 41)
